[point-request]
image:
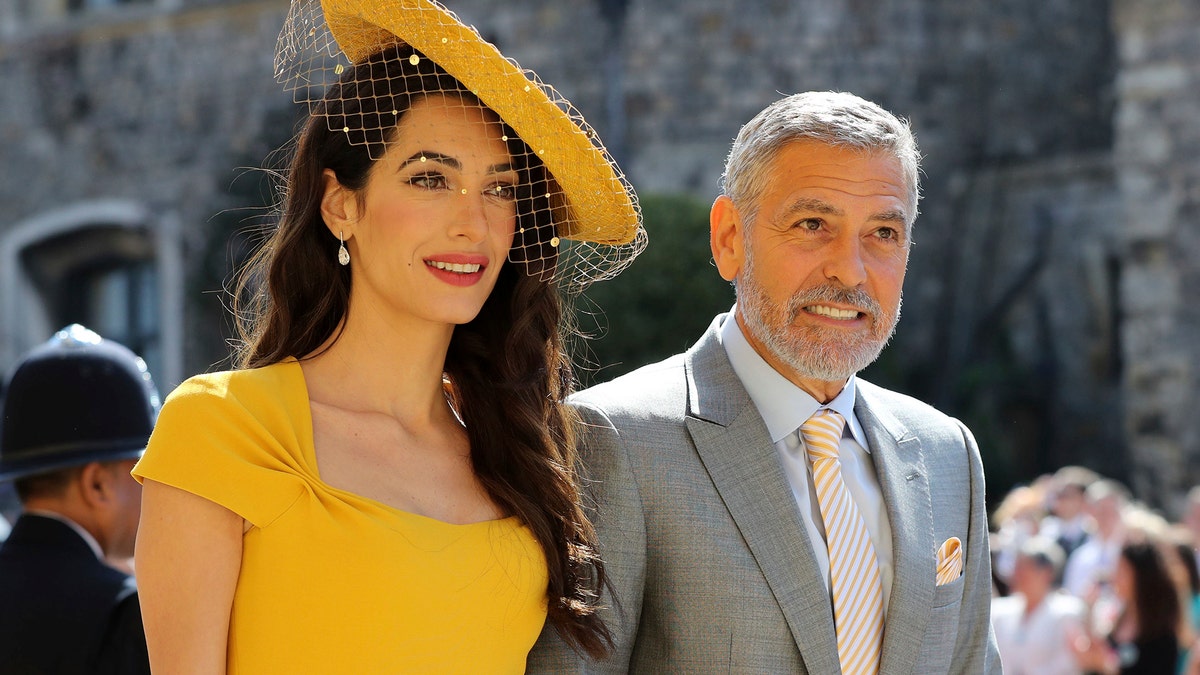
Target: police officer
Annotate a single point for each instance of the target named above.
(77, 414)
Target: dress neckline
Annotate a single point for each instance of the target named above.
(308, 452)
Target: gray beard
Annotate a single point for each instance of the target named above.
(814, 352)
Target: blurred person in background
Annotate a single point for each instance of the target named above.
(1143, 523)
(1017, 518)
(1191, 517)
(10, 506)
(1091, 566)
(1068, 523)
(1180, 552)
(77, 414)
(1034, 624)
(1144, 640)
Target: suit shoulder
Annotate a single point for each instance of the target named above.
(658, 386)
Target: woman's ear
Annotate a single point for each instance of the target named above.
(339, 206)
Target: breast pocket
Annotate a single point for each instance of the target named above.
(942, 632)
(949, 594)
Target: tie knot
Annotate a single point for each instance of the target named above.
(823, 434)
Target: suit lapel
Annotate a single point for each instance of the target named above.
(744, 466)
(904, 482)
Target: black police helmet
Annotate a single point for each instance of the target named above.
(76, 399)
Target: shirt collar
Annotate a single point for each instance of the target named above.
(783, 405)
(83, 534)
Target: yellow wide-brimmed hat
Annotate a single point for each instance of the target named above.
(597, 209)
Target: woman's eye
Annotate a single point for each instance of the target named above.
(503, 191)
(428, 181)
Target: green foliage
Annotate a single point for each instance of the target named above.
(662, 303)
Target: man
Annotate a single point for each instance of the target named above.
(728, 550)
(77, 414)
(1035, 624)
(1068, 525)
(1090, 567)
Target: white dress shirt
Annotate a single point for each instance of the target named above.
(1092, 564)
(1037, 644)
(784, 408)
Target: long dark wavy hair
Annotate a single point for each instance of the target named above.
(507, 369)
(1156, 597)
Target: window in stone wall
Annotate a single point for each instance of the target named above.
(39, 11)
(106, 278)
(118, 299)
(78, 5)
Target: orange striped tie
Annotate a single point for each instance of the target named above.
(854, 569)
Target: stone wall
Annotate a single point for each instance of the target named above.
(155, 106)
(1158, 158)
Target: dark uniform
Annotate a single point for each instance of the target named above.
(63, 610)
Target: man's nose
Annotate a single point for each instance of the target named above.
(845, 262)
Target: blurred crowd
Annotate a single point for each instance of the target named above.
(1088, 580)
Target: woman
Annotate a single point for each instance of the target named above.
(1179, 550)
(1143, 640)
(386, 484)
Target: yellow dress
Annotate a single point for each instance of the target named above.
(332, 582)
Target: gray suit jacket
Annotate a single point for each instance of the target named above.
(711, 568)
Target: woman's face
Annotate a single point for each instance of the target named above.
(429, 232)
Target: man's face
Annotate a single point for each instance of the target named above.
(1030, 578)
(125, 509)
(1068, 502)
(1106, 511)
(820, 270)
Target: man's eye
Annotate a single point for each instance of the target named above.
(888, 233)
(810, 224)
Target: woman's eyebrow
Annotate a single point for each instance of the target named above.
(453, 163)
(427, 155)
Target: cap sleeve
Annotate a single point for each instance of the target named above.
(232, 438)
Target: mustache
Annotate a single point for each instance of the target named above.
(832, 293)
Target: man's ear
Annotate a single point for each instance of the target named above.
(726, 237)
(94, 483)
(339, 206)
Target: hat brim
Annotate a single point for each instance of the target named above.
(57, 459)
(600, 204)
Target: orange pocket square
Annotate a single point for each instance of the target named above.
(949, 561)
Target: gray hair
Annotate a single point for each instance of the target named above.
(1105, 488)
(1044, 552)
(1193, 495)
(834, 118)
